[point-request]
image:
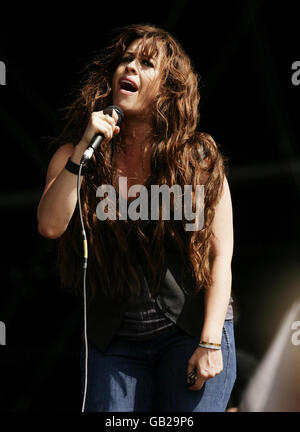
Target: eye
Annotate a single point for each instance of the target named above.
(127, 59)
(147, 62)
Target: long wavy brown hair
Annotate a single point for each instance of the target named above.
(180, 154)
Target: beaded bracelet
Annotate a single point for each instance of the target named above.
(74, 168)
(210, 345)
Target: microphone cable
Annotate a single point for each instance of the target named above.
(85, 158)
(84, 266)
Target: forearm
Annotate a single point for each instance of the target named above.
(216, 300)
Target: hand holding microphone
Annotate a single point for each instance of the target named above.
(102, 125)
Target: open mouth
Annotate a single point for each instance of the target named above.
(128, 87)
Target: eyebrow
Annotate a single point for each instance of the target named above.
(129, 52)
(133, 53)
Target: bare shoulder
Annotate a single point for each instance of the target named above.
(226, 194)
(224, 204)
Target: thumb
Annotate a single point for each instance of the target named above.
(115, 115)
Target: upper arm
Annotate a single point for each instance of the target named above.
(222, 225)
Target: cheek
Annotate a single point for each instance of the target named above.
(153, 88)
(116, 76)
(152, 85)
(114, 81)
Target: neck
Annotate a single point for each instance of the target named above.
(136, 141)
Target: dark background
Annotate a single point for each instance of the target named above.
(243, 51)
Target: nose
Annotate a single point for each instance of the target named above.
(131, 67)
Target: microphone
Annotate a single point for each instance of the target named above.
(98, 138)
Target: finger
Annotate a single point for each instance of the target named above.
(117, 130)
(113, 119)
(110, 120)
(198, 384)
(115, 115)
(105, 129)
(191, 367)
(191, 370)
(191, 376)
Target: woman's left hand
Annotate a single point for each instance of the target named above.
(207, 362)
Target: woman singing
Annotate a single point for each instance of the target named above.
(159, 314)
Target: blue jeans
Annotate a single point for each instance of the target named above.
(151, 375)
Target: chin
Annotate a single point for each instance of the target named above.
(126, 107)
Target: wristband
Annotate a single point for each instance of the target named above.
(210, 345)
(74, 168)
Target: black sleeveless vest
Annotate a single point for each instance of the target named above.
(104, 315)
(176, 299)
